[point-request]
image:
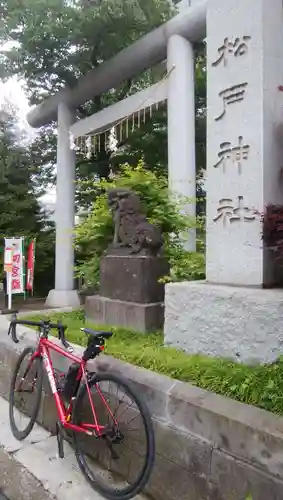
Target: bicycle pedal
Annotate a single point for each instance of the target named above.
(60, 440)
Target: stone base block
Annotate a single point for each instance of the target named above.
(63, 298)
(139, 317)
(243, 324)
(133, 278)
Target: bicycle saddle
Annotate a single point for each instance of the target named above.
(97, 333)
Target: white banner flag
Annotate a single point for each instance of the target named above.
(18, 265)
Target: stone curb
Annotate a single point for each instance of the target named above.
(44, 312)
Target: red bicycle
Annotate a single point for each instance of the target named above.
(92, 416)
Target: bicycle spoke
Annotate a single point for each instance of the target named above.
(126, 409)
(124, 448)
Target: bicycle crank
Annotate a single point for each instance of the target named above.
(112, 437)
(60, 440)
(114, 455)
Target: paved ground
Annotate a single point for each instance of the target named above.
(31, 470)
(17, 483)
(41, 471)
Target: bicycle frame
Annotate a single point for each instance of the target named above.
(43, 351)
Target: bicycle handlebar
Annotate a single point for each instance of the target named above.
(44, 325)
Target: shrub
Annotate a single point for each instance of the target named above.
(95, 232)
(185, 266)
(273, 229)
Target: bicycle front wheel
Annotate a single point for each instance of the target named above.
(118, 462)
(25, 393)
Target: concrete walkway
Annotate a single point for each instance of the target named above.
(16, 483)
(31, 470)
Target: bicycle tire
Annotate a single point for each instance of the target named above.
(22, 434)
(139, 484)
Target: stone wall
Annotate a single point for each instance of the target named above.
(208, 447)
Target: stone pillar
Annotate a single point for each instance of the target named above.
(244, 152)
(64, 294)
(181, 126)
(230, 315)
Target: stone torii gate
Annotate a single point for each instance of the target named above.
(172, 41)
(231, 314)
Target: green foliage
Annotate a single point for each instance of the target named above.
(260, 386)
(185, 266)
(58, 42)
(95, 232)
(20, 210)
(44, 273)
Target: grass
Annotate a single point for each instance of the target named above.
(260, 386)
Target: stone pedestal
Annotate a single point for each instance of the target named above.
(133, 278)
(132, 315)
(130, 293)
(243, 324)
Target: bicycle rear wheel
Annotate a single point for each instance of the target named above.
(25, 393)
(113, 463)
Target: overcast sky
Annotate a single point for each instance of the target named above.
(13, 91)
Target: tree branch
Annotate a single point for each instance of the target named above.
(124, 92)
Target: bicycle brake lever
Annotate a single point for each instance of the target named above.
(66, 344)
(63, 340)
(69, 348)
